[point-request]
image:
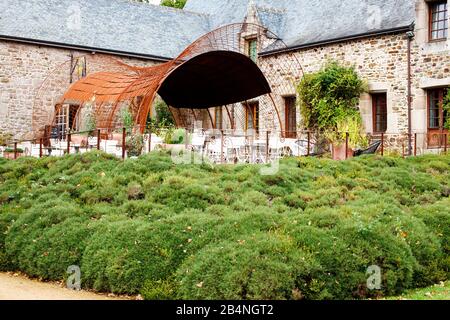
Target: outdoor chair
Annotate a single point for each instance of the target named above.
(372, 149)
(214, 150)
(198, 143)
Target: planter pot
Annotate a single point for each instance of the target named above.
(338, 152)
(10, 155)
(117, 137)
(80, 140)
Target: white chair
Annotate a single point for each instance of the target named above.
(214, 150)
(198, 143)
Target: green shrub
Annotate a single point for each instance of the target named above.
(159, 290)
(6, 220)
(312, 229)
(263, 266)
(31, 229)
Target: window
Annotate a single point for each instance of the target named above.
(438, 20)
(252, 49)
(290, 117)
(436, 116)
(252, 116)
(379, 112)
(218, 119)
(66, 119)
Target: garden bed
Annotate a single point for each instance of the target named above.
(169, 231)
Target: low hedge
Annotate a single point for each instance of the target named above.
(225, 232)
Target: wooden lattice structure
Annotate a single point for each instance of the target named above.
(214, 71)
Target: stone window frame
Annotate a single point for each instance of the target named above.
(432, 5)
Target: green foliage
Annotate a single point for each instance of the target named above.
(11, 150)
(127, 119)
(329, 96)
(163, 119)
(5, 138)
(135, 144)
(174, 3)
(259, 267)
(447, 110)
(168, 231)
(351, 125)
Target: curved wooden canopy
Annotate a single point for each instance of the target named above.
(213, 71)
(215, 78)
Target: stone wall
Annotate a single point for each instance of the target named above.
(33, 78)
(383, 62)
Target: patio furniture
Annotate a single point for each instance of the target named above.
(372, 149)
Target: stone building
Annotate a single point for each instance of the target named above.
(400, 47)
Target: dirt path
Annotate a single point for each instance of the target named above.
(17, 287)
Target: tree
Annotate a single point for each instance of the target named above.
(174, 3)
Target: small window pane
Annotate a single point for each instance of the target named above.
(438, 21)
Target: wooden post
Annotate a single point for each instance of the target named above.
(403, 150)
(124, 142)
(15, 150)
(267, 146)
(308, 153)
(222, 158)
(415, 144)
(445, 142)
(40, 147)
(346, 145)
(186, 138)
(150, 139)
(69, 137)
(99, 139)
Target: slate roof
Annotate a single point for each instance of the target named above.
(154, 31)
(117, 25)
(303, 22)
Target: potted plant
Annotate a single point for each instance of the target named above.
(8, 153)
(350, 128)
(135, 144)
(329, 101)
(134, 141)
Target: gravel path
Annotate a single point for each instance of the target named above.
(17, 287)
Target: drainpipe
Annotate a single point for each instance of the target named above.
(410, 35)
(71, 67)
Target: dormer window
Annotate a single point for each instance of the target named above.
(252, 49)
(438, 21)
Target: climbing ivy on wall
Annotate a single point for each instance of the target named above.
(330, 96)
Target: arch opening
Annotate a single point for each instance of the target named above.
(214, 79)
